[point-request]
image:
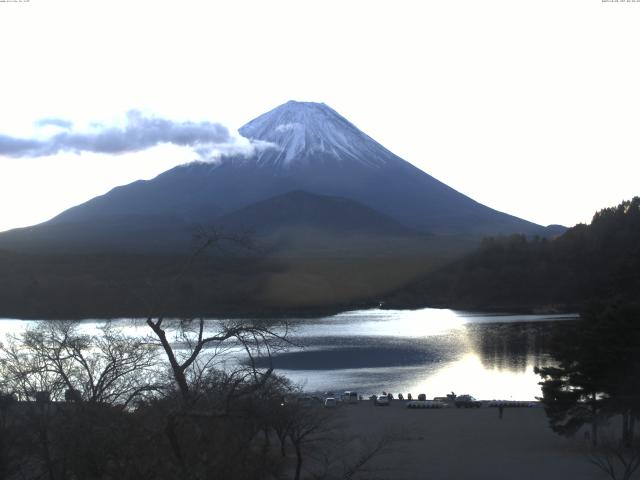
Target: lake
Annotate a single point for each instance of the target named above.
(431, 351)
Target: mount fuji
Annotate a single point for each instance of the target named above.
(316, 170)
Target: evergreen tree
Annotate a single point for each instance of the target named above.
(597, 372)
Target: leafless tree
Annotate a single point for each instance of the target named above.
(349, 457)
(197, 346)
(371, 448)
(83, 385)
(194, 346)
(307, 425)
(618, 459)
(219, 374)
(321, 443)
(55, 357)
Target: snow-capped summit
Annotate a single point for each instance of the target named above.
(308, 131)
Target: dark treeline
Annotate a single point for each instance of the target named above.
(74, 286)
(588, 262)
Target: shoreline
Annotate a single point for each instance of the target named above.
(315, 313)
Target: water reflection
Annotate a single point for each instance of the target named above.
(489, 356)
(512, 346)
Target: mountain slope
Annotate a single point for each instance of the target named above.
(112, 233)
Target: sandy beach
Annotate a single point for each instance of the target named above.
(472, 444)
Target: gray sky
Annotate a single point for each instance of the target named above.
(530, 107)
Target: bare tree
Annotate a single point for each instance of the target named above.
(321, 444)
(82, 385)
(618, 459)
(55, 357)
(307, 425)
(195, 350)
(371, 449)
(198, 344)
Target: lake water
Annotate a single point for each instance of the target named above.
(429, 351)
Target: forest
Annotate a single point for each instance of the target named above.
(599, 261)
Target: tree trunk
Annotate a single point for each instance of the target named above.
(172, 436)
(298, 461)
(594, 421)
(625, 429)
(178, 371)
(283, 440)
(48, 461)
(267, 439)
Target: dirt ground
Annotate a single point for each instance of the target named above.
(472, 444)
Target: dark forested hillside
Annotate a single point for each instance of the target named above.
(588, 262)
(222, 282)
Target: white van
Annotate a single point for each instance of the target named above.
(350, 397)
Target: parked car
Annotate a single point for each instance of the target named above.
(330, 402)
(350, 397)
(422, 397)
(467, 401)
(381, 401)
(438, 403)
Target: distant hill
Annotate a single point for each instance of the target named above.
(305, 224)
(303, 209)
(587, 262)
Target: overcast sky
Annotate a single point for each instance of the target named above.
(530, 107)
